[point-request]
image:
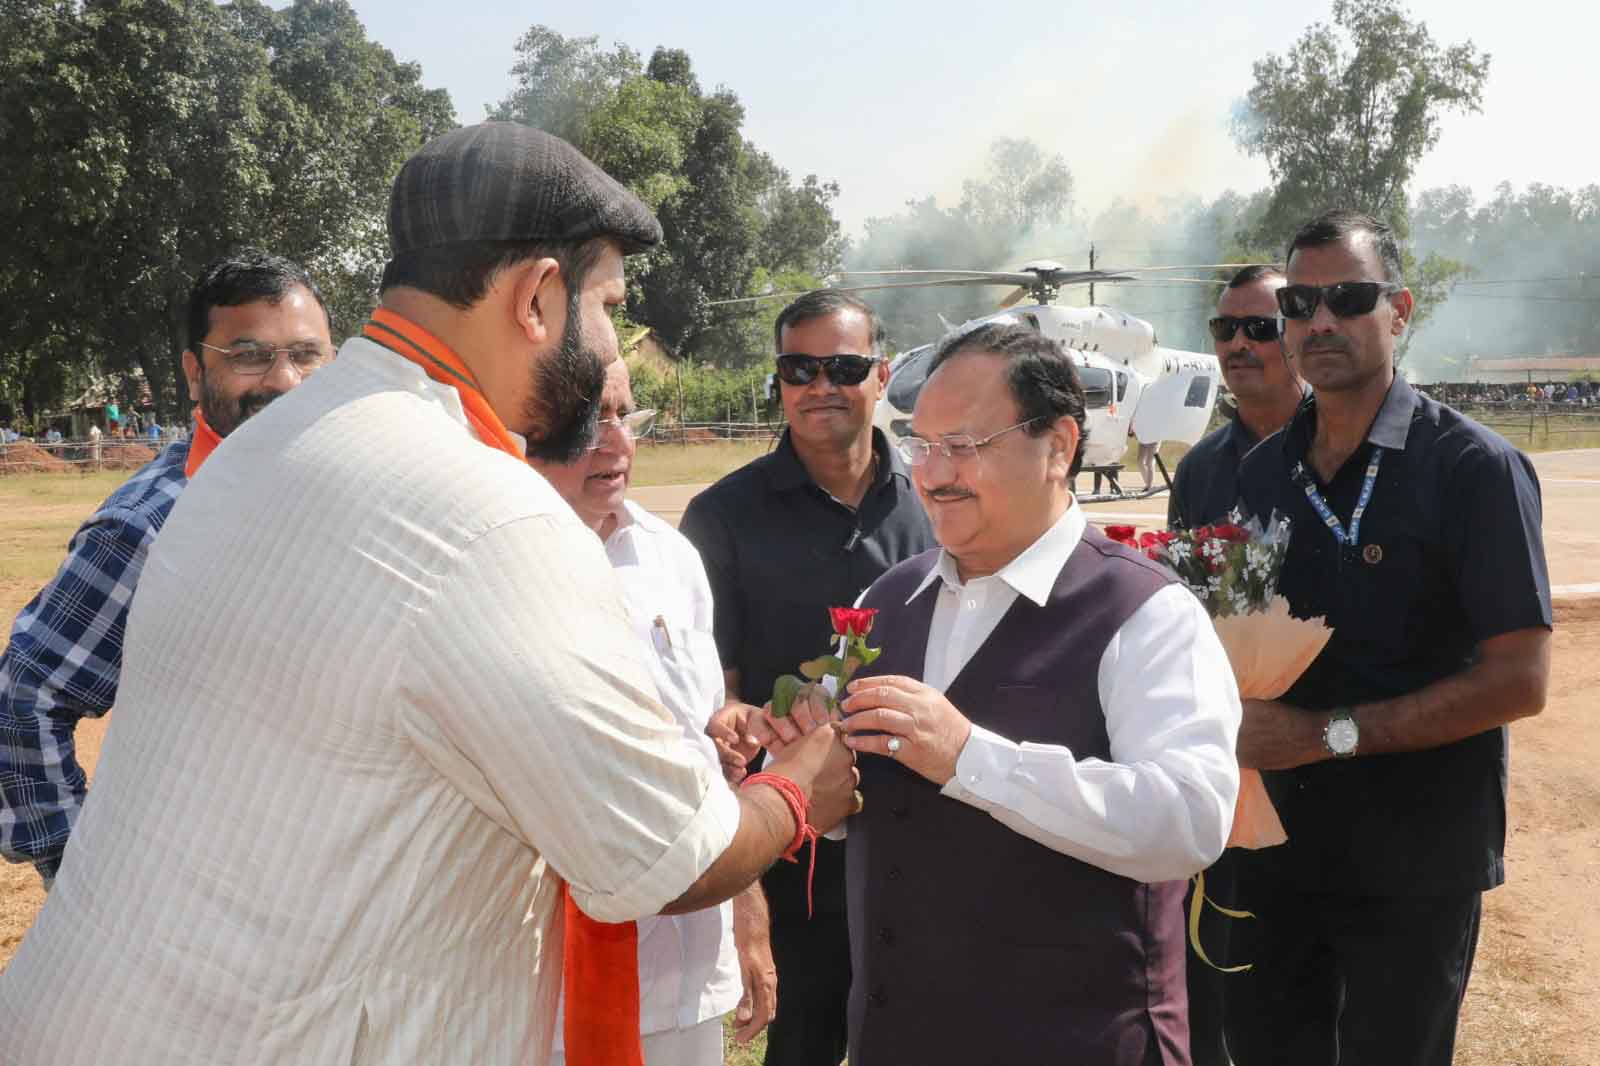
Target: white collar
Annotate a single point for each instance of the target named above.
(1033, 573)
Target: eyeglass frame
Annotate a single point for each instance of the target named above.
(826, 364)
(1380, 290)
(1237, 322)
(645, 416)
(230, 358)
(943, 444)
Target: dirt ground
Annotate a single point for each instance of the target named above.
(1535, 993)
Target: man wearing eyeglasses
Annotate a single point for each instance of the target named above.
(784, 538)
(1047, 748)
(257, 326)
(1417, 537)
(689, 968)
(1265, 390)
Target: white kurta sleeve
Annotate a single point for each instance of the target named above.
(1161, 808)
(524, 687)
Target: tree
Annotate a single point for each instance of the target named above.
(1343, 119)
(732, 219)
(146, 137)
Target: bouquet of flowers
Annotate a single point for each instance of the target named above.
(829, 673)
(1233, 568)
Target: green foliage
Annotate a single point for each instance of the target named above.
(1344, 117)
(144, 138)
(732, 218)
(709, 394)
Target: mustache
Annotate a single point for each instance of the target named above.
(1328, 342)
(1243, 357)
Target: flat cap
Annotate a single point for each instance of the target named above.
(503, 181)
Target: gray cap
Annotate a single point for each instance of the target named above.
(503, 181)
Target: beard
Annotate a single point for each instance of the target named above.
(563, 408)
(223, 413)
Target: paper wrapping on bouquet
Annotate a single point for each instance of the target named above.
(1268, 650)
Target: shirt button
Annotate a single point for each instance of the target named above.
(973, 779)
(876, 999)
(885, 937)
(899, 812)
(894, 873)
(972, 603)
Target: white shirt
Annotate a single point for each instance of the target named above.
(379, 689)
(1162, 807)
(688, 964)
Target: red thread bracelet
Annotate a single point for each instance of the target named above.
(804, 830)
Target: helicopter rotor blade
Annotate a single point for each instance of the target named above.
(1014, 297)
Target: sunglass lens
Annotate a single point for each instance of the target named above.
(1260, 329)
(1350, 298)
(798, 369)
(1221, 329)
(1299, 301)
(848, 369)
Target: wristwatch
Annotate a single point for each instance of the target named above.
(1341, 735)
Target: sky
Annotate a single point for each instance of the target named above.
(899, 99)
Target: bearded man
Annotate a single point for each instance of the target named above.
(389, 753)
(257, 327)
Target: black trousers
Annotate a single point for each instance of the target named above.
(1228, 942)
(1345, 980)
(812, 958)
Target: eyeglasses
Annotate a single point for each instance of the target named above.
(633, 425)
(1256, 327)
(797, 369)
(1347, 299)
(252, 361)
(958, 448)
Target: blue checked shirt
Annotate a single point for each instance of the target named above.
(65, 658)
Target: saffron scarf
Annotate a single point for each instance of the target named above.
(201, 445)
(600, 961)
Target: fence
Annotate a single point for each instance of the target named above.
(687, 433)
(77, 456)
(1538, 424)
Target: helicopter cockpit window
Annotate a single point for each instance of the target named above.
(1096, 385)
(909, 376)
(1199, 391)
(1122, 386)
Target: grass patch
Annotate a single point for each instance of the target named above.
(692, 464)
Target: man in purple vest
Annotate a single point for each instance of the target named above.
(1052, 723)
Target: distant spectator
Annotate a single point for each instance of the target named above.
(154, 432)
(53, 436)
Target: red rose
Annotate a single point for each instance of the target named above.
(852, 621)
(1123, 535)
(1232, 532)
(1203, 533)
(1155, 540)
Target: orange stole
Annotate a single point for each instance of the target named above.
(600, 960)
(201, 445)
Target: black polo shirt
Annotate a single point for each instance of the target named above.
(1205, 487)
(780, 551)
(1450, 554)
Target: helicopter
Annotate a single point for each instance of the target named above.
(1133, 387)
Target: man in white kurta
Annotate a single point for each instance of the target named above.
(411, 697)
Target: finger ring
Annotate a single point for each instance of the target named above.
(860, 801)
(894, 745)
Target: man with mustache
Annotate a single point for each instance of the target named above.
(689, 964)
(1047, 742)
(1416, 535)
(388, 761)
(784, 538)
(1205, 488)
(257, 327)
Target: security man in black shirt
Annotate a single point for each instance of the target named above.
(1416, 535)
(1205, 488)
(784, 538)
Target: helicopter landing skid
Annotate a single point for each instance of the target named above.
(1118, 494)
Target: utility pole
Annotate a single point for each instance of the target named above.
(1091, 267)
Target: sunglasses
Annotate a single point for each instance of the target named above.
(841, 369)
(1256, 328)
(1347, 299)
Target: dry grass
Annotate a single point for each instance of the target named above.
(692, 464)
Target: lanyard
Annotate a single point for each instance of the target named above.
(1325, 512)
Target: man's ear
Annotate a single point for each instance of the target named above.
(539, 300)
(1403, 303)
(191, 373)
(1065, 433)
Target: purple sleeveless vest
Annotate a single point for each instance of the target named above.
(971, 943)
